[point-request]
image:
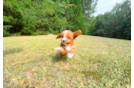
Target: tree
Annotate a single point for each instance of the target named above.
(88, 8)
(123, 19)
(91, 26)
(29, 17)
(12, 18)
(116, 23)
(78, 15)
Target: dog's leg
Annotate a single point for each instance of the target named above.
(61, 50)
(71, 53)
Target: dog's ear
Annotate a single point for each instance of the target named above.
(59, 35)
(76, 33)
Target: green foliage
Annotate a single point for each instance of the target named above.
(88, 8)
(74, 17)
(77, 16)
(26, 32)
(6, 33)
(12, 16)
(7, 20)
(38, 32)
(37, 16)
(115, 24)
(91, 26)
(17, 33)
(45, 32)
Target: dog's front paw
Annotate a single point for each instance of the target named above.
(59, 49)
(70, 55)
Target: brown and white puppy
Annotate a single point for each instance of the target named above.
(67, 45)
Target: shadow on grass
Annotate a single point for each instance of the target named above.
(58, 57)
(11, 51)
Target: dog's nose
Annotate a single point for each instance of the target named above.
(63, 40)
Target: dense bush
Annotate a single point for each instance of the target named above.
(35, 17)
(12, 17)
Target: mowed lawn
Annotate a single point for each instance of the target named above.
(33, 62)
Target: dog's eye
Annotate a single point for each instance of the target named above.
(68, 37)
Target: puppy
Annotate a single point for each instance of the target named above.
(67, 45)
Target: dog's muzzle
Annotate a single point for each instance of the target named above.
(63, 42)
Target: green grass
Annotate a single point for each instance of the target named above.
(31, 61)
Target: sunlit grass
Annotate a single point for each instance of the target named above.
(31, 61)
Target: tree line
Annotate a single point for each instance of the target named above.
(114, 24)
(35, 17)
(29, 17)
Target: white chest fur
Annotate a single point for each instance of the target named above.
(68, 48)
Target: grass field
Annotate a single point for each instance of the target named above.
(31, 61)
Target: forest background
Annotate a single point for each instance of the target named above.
(36, 17)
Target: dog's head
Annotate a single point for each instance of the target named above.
(68, 36)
